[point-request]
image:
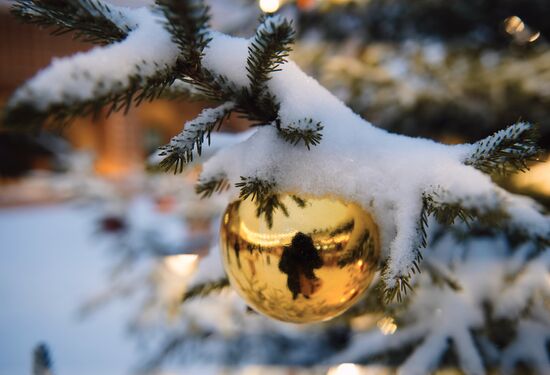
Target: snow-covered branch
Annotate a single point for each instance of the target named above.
(137, 67)
(389, 175)
(181, 147)
(507, 150)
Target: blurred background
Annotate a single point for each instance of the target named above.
(97, 248)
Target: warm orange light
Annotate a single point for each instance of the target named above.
(113, 168)
(364, 322)
(536, 179)
(513, 25)
(387, 325)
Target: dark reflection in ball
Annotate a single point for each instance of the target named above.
(298, 261)
(310, 265)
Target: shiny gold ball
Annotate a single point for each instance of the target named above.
(313, 263)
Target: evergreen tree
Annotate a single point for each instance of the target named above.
(308, 142)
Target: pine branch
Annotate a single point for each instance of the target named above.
(506, 151)
(188, 24)
(518, 235)
(262, 193)
(42, 362)
(403, 282)
(204, 289)
(304, 130)
(181, 89)
(442, 274)
(445, 213)
(213, 185)
(402, 288)
(91, 20)
(267, 51)
(180, 149)
(26, 115)
(300, 202)
(255, 188)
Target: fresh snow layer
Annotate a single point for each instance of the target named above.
(87, 75)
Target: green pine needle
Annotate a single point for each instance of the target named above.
(507, 151)
(215, 185)
(188, 24)
(300, 202)
(267, 51)
(204, 289)
(87, 18)
(305, 131)
(180, 150)
(399, 291)
(446, 214)
(25, 115)
(262, 193)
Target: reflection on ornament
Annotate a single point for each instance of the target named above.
(311, 265)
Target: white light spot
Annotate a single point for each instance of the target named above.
(534, 37)
(270, 6)
(344, 369)
(181, 264)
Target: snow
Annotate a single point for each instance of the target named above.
(534, 277)
(531, 345)
(224, 55)
(50, 263)
(426, 356)
(87, 75)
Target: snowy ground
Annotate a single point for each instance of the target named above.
(51, 262)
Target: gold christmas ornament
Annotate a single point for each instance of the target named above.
(312, 264)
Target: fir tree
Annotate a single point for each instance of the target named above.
(343, 155)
